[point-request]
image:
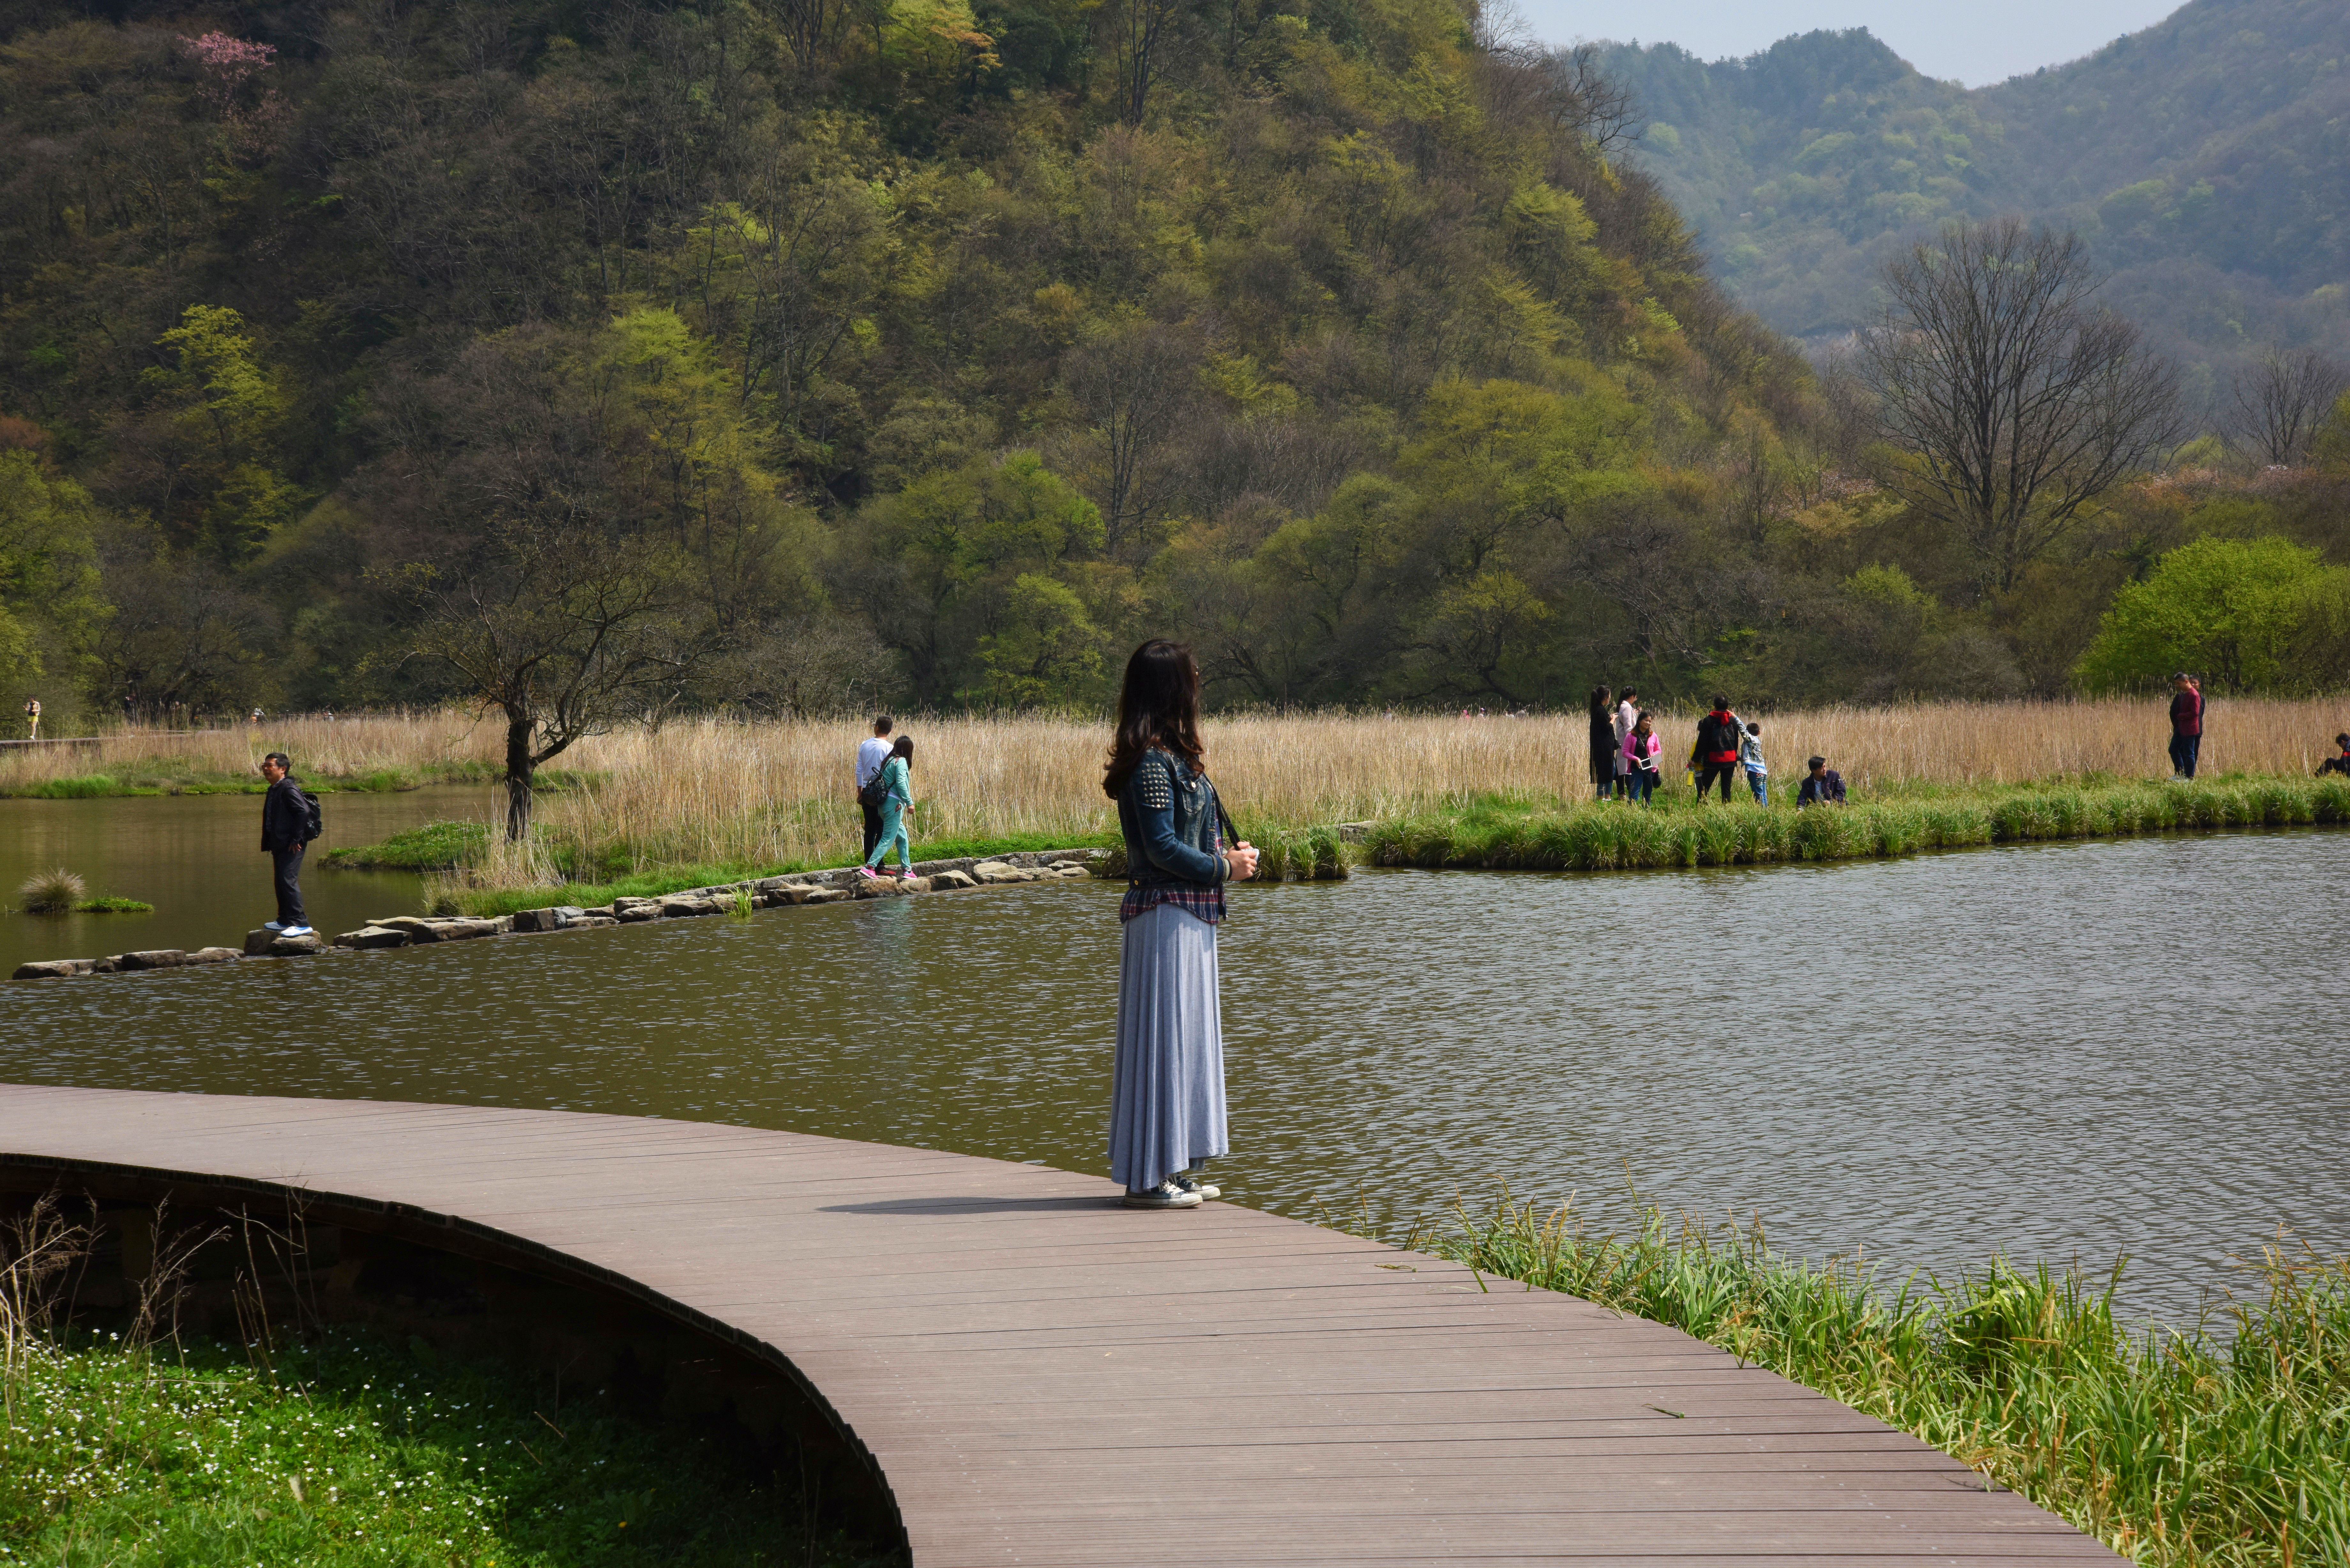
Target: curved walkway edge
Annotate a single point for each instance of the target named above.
(1046, 1378)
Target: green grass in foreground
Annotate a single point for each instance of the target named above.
(2204, 1447)
(355, 1453)
(1594, 835)
(113, 906)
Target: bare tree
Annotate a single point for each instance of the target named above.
(1134, 387)
(563, 630)
(1568, 87)
(1583, 100)
(2282, 399)
(1143, 42)
(2021, 402)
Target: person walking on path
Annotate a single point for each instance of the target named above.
(897, 790)
(871, 753)
(1607, 745)
(286, 828)
(1719, 736)
(1167, 1083)
(1640, 748)
(1821, 786)
(2186, 725)
(33, 717)
(1757, 772)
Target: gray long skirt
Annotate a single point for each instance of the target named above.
(1166, 1090)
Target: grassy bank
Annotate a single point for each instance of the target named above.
(369, 752)
(703, 800)
(2226, 1445)
(1530, 834)
(349, 1451)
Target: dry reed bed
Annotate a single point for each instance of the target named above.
(416, 744)
(714, 792)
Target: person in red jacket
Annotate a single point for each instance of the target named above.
(1718, 734)
(2186, 724)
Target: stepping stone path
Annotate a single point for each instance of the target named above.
(767, 893)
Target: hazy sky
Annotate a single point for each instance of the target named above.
(1978, 42)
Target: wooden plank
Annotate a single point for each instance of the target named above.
(1029, 1362)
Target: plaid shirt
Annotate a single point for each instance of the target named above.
(1202, 900)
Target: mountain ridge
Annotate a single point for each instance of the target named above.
(2207, 160)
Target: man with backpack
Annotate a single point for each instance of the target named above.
(289, 821)
(872, 754)
(1720, 734)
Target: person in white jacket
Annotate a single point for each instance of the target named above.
(1757, 772)
(1627, 713)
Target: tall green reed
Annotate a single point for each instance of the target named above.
(2226, 1444)
(1500, 832)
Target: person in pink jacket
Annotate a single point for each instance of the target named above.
(1640, 748)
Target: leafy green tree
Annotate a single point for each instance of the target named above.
(51, 603)
(2247, 615)
(1044, 650)
(228, 407)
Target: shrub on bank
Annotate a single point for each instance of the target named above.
(2203, 1447)
(1594, 835)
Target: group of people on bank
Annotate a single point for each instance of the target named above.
(1627, 754)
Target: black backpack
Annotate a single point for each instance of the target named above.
(876, 789)
(314, 822)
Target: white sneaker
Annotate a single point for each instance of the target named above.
(1186, 1182)
(1166, 1195)
(294, 931)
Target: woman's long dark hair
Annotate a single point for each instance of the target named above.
(1601, 706)
(1157, 706)
(904, 747)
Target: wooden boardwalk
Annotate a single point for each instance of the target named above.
(1047, 1379)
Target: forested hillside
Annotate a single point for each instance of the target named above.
(2208, 159)
(803, 355)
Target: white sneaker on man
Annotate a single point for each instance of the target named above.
(294, 931)
(274, 926)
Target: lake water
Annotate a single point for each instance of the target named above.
(198, 859)
(2061, 1052)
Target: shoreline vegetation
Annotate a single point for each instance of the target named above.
(2227, 1443)
(647, 810)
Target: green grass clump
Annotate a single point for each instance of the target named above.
(434, 847)
(2202, 1447)
(51, 892)
(89, 786)
(1517, 832)
(1302, 855)
(349, 1452)
(113, 906)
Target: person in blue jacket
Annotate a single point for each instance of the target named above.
(1167, 1083)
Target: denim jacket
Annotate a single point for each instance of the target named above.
(1167, 813)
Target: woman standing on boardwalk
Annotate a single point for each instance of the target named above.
(897, 782)
(1606, 743)
(1167, 1088)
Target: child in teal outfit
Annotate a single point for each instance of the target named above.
(897, 798)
